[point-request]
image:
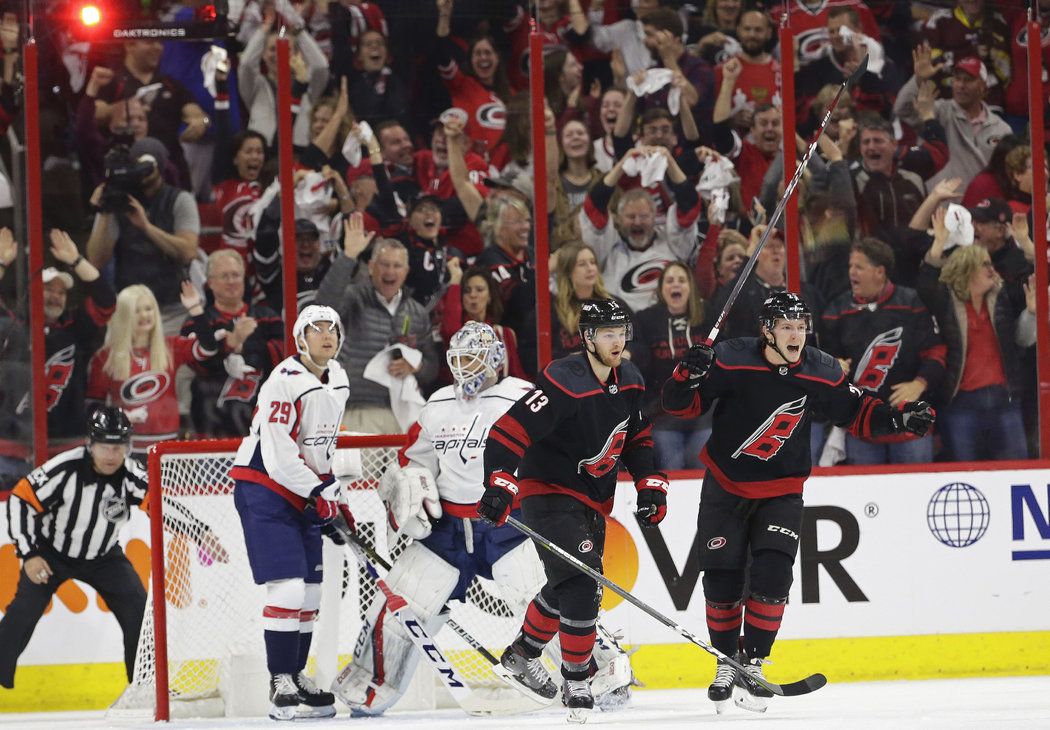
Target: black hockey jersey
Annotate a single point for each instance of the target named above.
(759, 445)
(568, 434)
(890, 340)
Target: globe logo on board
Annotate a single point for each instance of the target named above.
(958, 514)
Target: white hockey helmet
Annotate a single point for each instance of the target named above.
(308, 317)
(475, 356)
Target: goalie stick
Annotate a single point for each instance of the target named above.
(848, 83)
(398, 607)
(803, 686)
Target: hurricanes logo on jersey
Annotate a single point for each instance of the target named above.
(878, 360)
(767, 439)
(643, 277)
(57, 370)
(605, 460)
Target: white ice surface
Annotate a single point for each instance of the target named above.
(1000, 702)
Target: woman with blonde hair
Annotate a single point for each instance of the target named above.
(980, 392)
(662, 335)
(135, 369)
(577, 279)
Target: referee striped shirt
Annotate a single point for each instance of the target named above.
(67, 505)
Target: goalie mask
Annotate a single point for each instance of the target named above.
(475, 356)
(308, 318)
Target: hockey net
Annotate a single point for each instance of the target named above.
(209, 623)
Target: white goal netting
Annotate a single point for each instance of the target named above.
(213, 621)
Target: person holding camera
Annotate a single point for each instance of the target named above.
(149, 229)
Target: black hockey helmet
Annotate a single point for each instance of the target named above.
(109, 425)
(597, 313)
(785, 305)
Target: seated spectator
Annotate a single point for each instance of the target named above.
(576, 280)
(888, 345)
(759, 79)
(135, 369)
(377, 313)
(170, 106)
(979, 414)
(252, 342)
(972, 128)
(311, 264)
(971, 29)
(474, 296)
(630, 246)
(479, 88)
(847, 45)
(573, 176)
(662, 334)
(151, 237)
(258, 81)
(713, 32)
(993, 181)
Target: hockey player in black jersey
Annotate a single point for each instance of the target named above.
(557, 452)
(764, 391)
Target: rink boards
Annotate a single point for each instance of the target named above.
(925, 574)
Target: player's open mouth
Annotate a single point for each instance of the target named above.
(794, 349)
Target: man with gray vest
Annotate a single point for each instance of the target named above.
(149, 229)
(377, 312)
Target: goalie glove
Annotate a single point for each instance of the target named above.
(495, 504)
(695, 366)
(915, 417)
(412, 501)
(652, 500)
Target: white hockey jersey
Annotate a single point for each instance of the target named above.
(293, 434)
(449, 439)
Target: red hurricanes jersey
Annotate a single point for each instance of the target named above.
(486, 114)
(234, 199)
(809, 23)
(759, 83)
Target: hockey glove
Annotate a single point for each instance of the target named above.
(916, 417)
(323, 506)
(694, 368)
(495, 504)
(329, 529)
(652, 500)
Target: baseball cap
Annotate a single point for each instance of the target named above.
(152, 147)
(424, 198)
(991, 210)
(306, 227)
(973, 66)
(51, 273)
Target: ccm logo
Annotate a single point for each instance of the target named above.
(319, 440)
(506, 484)
(783, 531)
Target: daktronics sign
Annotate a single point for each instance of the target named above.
(119, 22)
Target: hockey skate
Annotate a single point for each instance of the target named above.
(576, 695)
(526, 675)
(315, 702)
(721, 689)
(285, 697)
(749, 694)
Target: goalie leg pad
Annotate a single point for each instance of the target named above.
(519, 574)
(384, 656)
(284, 603)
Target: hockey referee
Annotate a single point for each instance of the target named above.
(64, 519)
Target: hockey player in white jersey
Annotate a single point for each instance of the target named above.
(431, 496)
(286, 494)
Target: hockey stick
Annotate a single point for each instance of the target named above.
(848, 83)
(792, 689)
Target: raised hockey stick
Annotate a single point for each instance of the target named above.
(792, 689)
(847, 84)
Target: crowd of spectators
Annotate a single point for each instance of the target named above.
(413, 191)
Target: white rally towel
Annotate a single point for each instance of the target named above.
(405, 399)
(656, 79)
(352, 143)
(959, 223)
(651, 167)
(214, 59)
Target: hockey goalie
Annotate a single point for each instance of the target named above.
(430, 496)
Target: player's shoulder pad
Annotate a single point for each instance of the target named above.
(630, 374)
(571, 374)
(337, 374)
(819, 364)
(737, 351)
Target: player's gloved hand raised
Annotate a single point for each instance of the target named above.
(652, 500)
(495, 504)
(695, 366)
(916, 417)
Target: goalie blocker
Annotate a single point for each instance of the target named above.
(431, 497)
